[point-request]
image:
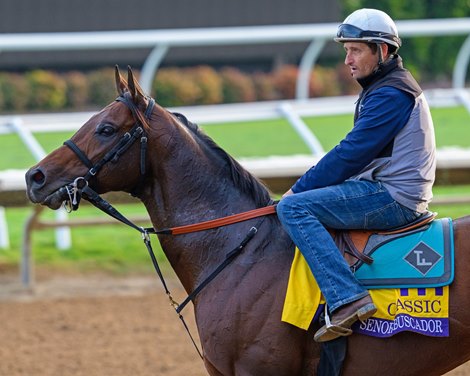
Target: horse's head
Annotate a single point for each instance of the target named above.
(118, 132)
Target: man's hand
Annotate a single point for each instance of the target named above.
(288, 193)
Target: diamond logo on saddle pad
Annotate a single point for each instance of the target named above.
(422, 258)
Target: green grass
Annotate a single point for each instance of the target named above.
(261, 138)
(452, 210)
(118, 249)
(15, 155)
(112, 248)
(277, 137)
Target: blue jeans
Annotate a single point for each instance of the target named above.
(354, 204)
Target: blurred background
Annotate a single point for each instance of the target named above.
(262, 77)
(77, 78)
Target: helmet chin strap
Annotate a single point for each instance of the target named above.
(381, 58)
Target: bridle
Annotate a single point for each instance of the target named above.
(80, 188)
(75, 189)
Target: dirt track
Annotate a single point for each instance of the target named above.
(94, 327)
(97, 327)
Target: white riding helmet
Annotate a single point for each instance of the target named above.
(368, 25)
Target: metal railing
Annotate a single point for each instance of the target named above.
(160, 41)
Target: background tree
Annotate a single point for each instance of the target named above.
(431, 59)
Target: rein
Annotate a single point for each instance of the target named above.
(219, 222)
(80, 188)
(106, 207)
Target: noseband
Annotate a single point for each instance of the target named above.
(75, 189)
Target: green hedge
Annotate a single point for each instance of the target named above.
(42, 90)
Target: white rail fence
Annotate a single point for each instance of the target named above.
(27, 125)
(159, 41)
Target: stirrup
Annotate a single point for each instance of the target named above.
(338, 330)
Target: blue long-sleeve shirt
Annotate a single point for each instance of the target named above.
(382, 115)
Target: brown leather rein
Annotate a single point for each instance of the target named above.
(219, 222)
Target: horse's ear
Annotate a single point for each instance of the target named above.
(120, 83)
(134, 88)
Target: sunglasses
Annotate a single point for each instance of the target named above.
(349, 31)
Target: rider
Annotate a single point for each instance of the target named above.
(378, 177)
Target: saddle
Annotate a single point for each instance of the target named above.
(352, 243)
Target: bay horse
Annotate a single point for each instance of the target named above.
(183, 177)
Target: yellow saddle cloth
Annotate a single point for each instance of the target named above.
(419, 310)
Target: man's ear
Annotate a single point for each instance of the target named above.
(385, 52)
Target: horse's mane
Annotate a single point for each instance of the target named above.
(243, 179)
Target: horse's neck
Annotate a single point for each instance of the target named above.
(193, 256)
(190, 189)
(191, 179)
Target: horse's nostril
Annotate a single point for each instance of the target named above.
(38, 177)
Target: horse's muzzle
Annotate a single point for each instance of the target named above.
(39, 192)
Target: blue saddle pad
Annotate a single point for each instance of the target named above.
(421, 258)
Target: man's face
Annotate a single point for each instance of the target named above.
(360, 59)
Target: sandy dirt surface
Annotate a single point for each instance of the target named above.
(97, 326)
(94, 327)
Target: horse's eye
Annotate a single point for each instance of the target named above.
(105, 130)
